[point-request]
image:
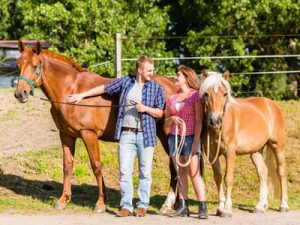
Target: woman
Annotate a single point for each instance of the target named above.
(186, 107)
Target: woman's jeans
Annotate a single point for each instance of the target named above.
(131, 143)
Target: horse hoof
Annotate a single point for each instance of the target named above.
(60, 206)
(256, 210)
(283, 209)
(225, 214)
(165, 210)
(99, 208)
(219, 212)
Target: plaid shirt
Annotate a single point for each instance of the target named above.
(152, 96)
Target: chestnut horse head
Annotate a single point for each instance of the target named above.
(243, 126)
(30, 67)
(59, 76)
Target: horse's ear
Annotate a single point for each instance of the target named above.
(226, 75)
(37, 48)
(21, 46)
(204, 73)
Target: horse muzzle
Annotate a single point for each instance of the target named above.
(21, 96)
(215, 121)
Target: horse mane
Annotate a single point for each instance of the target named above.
(215, 80)
(64, 59)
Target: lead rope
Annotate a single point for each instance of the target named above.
(179, 147)
(208, 149)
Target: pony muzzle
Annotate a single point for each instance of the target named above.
(215, 120)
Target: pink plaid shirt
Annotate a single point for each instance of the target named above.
(185, 110)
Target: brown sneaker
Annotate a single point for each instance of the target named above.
(141, 212)
(124, 213)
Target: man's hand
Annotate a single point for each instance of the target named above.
(75, 98)
(140, 107)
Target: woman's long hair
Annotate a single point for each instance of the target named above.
(190, 75)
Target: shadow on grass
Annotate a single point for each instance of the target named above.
(48, 192)
(83, 195)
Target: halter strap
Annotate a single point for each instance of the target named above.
(33, 83)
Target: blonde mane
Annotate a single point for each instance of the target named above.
(214, 80)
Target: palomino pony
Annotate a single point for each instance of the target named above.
(238, 127)
(58, 77)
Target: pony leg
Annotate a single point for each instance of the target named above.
(279, 154)
(68, 145)
(90, 140)
(257, 159)
(230, 160)
(218, 180)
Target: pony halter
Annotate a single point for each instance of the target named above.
(33, 83)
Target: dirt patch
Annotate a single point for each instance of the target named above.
(240, 218)
(27, 126)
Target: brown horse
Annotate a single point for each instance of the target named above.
(245, 126)
(58, 77)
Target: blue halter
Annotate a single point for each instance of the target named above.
(33, 83)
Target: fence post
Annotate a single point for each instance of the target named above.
(118, 56)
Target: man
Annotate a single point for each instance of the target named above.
(141, 102)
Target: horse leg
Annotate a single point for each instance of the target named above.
(90, 140)
(230, 160)
(170, 200)
(68, 145)
(218, 180)
(257, 159)
(279, 153)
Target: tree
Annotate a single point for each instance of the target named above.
(85, 30)
(229, 27)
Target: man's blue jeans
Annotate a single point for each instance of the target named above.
(130, 144)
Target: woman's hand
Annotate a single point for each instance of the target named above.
(176, 120)
(75, 98)
(195, 147)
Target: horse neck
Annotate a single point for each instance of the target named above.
(58, 79)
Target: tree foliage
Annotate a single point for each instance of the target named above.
(85, 31)
(246, 28)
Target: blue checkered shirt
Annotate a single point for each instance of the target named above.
(152, 96)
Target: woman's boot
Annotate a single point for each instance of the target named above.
(202, 212)
(182, 210)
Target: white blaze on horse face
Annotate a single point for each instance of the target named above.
(216, 107)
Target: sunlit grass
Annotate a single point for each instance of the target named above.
(32, 181)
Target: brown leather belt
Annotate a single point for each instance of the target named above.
(130, 129)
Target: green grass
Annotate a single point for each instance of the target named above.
(32, 181)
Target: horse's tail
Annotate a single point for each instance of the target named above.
(273, 179)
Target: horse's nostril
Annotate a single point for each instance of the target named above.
(220, 120)
(24, 92)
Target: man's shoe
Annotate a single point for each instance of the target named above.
(124, 213)
(141, 212)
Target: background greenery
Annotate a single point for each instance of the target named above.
(85, 30)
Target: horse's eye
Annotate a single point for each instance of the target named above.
(225, 94)
(34, 67)
(206, 95)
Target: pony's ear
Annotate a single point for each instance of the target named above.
(21, 46)
(37, 48)
(226, 75)
(204, 73)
